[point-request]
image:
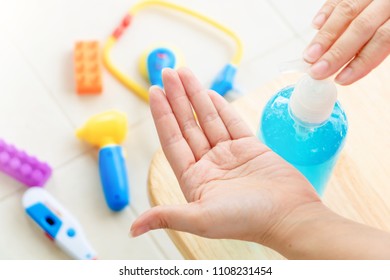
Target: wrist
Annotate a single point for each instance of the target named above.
(312, 231)
(292, 235)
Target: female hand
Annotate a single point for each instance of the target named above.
(235, 186)
(354, 34)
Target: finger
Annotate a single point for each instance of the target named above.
(344, 13)
(208, 117)
(187, 218)
(184, 115)
(324, 13)
(176, 149)
(377, 49)
(236, 127)
(354, 38)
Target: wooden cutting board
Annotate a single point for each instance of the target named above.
(360, 185)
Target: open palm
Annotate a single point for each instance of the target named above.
(236, 187)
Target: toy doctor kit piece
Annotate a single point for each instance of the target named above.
(162, 57)
(57, 223)
(106, 131)
(23, 167)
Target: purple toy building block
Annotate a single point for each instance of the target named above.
(23, 167)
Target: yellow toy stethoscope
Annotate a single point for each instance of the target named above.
(165, 58)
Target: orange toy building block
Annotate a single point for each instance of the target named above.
(87, 67)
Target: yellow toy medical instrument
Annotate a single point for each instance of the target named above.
(106, 131)
(162, 57)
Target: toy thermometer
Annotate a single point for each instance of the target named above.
(57, 223)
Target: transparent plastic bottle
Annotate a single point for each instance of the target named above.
(306, 125)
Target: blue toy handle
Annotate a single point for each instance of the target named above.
(225, 79)
(157, 60)
(113, 176)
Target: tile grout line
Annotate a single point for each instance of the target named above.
(277, 45)
(297, 34)
(8, 195)
(69, 161)
(90, 149)
(48, 91)
(303, 33)
(273, 48)
(270, 49)
(281, 16)
(157, 243)
(152, 237)
(64, 164)
(36, 74)
(135, 213)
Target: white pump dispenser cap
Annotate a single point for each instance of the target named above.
(312, 101)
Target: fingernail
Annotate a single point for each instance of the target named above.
(319, 20)
(313, 52)
(166, 70)
(132, 233)
(154, 89)
(344, 76)
(320, 68)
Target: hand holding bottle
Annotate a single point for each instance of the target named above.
(354, 34)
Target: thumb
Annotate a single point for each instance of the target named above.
(186, 217)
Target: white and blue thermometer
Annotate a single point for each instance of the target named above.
(57, 223)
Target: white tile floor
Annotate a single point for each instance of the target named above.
(39, 109)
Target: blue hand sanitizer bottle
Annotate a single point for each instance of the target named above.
(306, 125)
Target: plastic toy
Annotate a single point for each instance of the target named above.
(106, 131)
(57, 223)
(223, 82)
(25, 168)
(152, 64)
(87, 67)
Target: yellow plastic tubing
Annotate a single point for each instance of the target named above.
(128, 81)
